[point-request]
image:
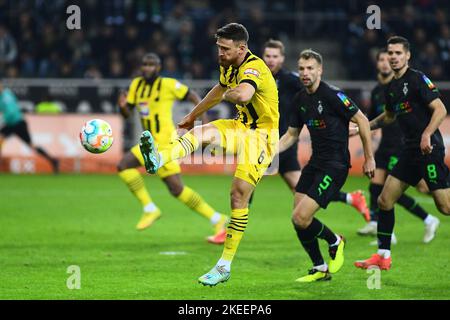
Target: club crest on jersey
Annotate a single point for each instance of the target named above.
(252, 71)
(320, 108)
(405, 88)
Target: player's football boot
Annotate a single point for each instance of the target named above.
(360, 204)
(315, 275)
(220, 231)
(147, 219)
(215, 276)
(369, 229)
(149, 152)
(430, 230)
(337, 256)
(375, 261)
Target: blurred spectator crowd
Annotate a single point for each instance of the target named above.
(35, 42)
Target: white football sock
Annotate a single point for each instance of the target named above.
(215, 218)
(429, 219)
(337, 241)
(225, 263)
(384, 253)
(322, 267)
(150, 207)
(349, 198)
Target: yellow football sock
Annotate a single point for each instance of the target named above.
(135, 183)
(180, 148)
(194, 201)
(235, 231)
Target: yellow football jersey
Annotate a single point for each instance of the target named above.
(262, 110)
(154, 102)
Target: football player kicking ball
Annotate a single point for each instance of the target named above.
(326, 111)
(246, 81)
(413, 100)
(154, 97)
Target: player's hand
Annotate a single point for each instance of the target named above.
(425, 144)
(122, 99)
(353, 130)
(187, 122)
(369, 167)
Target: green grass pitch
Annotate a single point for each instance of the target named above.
(49, 223)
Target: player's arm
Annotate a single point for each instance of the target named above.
(364, 133)
(387, 117)
(213, 97)
(288, 139)
(195, 99)
(241, 94)
(124, 106)
(439, 112)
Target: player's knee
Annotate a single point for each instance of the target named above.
(384, 203)
(175, 189)
(300, 221)
(122, 165)
(444, 208)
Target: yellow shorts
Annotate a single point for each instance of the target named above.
(169, 169)
(254, 148)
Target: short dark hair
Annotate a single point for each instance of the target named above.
(399, 39)
(276, 44)
(151, 56)
(233, 31)
(380, 52)
(311, 54)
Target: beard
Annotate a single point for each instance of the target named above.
(224, 64)
(385, 74)
(151, 78)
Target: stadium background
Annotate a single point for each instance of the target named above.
(82, 71)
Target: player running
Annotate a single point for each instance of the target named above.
(246, 81)
(326, 111)
(15, 124)
(154, 97)
(288, 84)
(386, 157)
(414, 100)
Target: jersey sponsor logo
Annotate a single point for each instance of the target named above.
(344, 99)
(143, 109)
(429, 83)
(402, 107)
(316, 124)
(252, 72)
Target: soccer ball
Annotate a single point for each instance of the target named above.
(96, 136)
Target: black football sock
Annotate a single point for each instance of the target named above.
(340, 196)
(310, 243)
(375, 191)
(43, 153)
(386, 222)
(325, 233)
(412, 206)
